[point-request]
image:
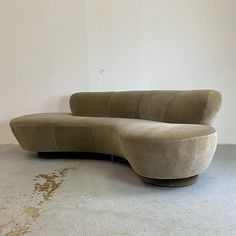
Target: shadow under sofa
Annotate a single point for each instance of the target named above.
(166, 136)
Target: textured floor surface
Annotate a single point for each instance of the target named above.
(89, 197)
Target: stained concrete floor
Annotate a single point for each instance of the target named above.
(89, 197)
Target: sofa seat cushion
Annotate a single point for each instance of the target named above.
(149, 146)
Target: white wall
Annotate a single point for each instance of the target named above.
(51, 48)
(42, 57)
(160, 44)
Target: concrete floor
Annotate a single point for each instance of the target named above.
(89, 197)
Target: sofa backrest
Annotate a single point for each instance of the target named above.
(190, 107)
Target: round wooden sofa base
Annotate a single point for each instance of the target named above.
(170, 182)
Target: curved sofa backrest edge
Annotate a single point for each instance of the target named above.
(213, 105)
(172, 106)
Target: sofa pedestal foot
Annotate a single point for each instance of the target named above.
(171, 182)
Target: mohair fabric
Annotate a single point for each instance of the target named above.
(163, 134)
(190, 107)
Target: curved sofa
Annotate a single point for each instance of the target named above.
(166, 136)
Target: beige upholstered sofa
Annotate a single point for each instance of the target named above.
(165, 135)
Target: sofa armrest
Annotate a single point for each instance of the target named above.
(193, 107)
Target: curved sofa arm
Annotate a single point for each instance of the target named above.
(193, 107)
(187, 106)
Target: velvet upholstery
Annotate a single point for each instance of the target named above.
(190, 107)
(163, 134)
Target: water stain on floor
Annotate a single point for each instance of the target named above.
(32, 211)
(45, 185)
(18, 231)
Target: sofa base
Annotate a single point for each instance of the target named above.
(75, 155)
(81, 155)
(100, 156)
(170, 182)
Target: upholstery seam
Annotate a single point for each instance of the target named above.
(172, 97)
(109, 104)
(201, 136)
(181, 140)
(118, 141)
(121, 146)
(94, 140)
(140, 105)
(194, 159)
(54, 138)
